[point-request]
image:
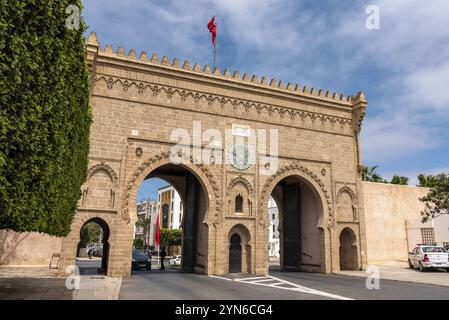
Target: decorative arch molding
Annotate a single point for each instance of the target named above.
(242, 180)
(354, 232)
(242, 231)
(347, 189)
(245, 105)
(199, 169)
(305, 173)
(352, 195)
(105, 167)
(82, 218)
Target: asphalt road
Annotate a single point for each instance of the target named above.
(169, 285)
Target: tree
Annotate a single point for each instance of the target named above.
(369, 174)
(44, 115)
(143, 223)
(437, 200)
(171, 237)
(138, 243)
(426, 180)
(91, 233)
(399, 180)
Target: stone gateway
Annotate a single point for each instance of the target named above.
(137, 104)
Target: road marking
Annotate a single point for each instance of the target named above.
(283, 284)
(263, 280)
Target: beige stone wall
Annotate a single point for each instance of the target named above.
(29, 248)
(387, 207)
(138, 102)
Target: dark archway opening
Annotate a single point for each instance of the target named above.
(348, 250)
(93, 247)
(187, 218)
(294, 219)
(235, 254)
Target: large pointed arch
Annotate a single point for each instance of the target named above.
(306, 175)
(200, 171)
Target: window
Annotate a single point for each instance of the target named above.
(165, 216)
(239, 204)
(433, 250)
(428, 235)
(274, 229)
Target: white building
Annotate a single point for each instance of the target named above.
(170, 207)
(435, 230)
(148, 210)
(273, 237)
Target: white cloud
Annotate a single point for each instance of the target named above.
(428, 87)
(386, 139)
(410, 51)
(403, 66)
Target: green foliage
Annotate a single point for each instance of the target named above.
(437, 200)
(426, 180)
(143, 222)
(171, 237)
(138, 243)
(44, 116)
(399, 180)
(91, 233)
(369, 174)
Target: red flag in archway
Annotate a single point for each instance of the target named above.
(158, 232)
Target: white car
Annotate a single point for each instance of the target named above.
(426, 257)
(175, 260)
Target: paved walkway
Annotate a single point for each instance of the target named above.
(399, 271)
(41, 283)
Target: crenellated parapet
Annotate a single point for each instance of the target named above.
(359, 110)
(227, 75)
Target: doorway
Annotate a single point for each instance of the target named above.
(348, 250)
(93, 247)
(235, 254)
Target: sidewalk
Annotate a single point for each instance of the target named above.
(41, 283)
(399, 271)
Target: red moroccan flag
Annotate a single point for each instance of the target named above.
(158, 232)
(213, 29)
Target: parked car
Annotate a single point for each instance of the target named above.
(426, 257)
(141, 260)
(175, 261)
(95, 249)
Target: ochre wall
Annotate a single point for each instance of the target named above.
(387, 207)
(28, 248)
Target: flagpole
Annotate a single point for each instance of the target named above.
(212, 26)
(215, 46)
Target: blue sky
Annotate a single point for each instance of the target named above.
(403, 68)
(149, 189)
